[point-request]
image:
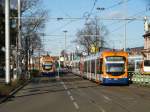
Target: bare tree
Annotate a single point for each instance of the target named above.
(93, 34)
(33, 19)
(33, 26)
(32, 23)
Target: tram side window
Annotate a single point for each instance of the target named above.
(138, 65)
(85, 66)
(97, 66)
(93, 66)
(73, 65)
(78, 66)
(88, 66)
(101, 66)
(131, 65)
(147, 63)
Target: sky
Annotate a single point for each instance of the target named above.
(54, 41)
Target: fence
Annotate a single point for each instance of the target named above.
(137, 78)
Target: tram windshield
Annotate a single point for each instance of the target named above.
(115, 65)
(47, 66)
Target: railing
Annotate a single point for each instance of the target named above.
(138, 78)
(134, 77)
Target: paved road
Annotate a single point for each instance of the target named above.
(73, 94)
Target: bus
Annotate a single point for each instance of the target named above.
(47, 66)
(107, 67)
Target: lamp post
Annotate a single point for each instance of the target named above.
(125, 25)
(98, 46)
(65, 31)
(18, 39)
(7, 42)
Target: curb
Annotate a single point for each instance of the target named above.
(13, 92)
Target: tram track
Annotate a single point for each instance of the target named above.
(100, 96)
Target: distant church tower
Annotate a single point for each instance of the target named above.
(146, 25)
(146, 36)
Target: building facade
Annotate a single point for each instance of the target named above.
(146, 51)
(135, 51)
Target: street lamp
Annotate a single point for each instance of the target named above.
(125, 25)
(18, 38)
(98, 46)
(65, 31)
(7, 42)
(100, 8)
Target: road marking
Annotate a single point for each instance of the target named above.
(102, 109)
(62, 83)
(68, 92)
(107, 98)
(71, 97)
(76, 105)
(65, 87)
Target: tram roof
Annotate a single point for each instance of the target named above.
(93, 56)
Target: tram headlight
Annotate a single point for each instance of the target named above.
(107, 76)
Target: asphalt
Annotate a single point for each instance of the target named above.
(74, 94)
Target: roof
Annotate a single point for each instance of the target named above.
(135, 49)
(147, 35)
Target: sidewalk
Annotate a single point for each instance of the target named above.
(2, 80)
(11, 90)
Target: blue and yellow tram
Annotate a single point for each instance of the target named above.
(107, 67)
